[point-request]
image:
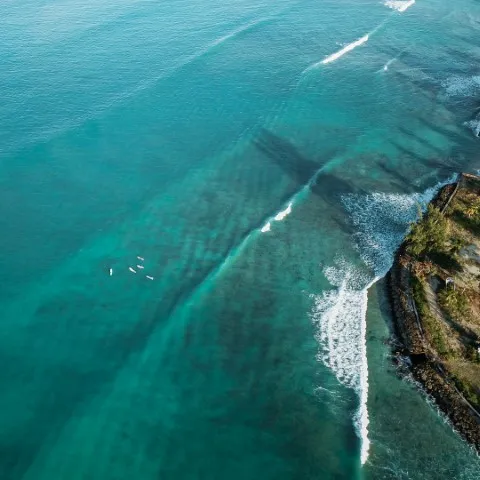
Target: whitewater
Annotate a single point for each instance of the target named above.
(381, 222)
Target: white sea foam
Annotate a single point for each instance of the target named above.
(399, 5)
(461, 86)
(341, 319)
(335, 56)
(278, 218)
(382, 220)
(281, 215)
(340, 314)
(474, 125)
(344, 50)
(267, 227)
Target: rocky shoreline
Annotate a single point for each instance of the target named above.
(425, 367)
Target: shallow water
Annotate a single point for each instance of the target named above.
(263, 159)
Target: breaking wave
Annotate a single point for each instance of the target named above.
(266, 228)
(344, 50)
(340, 316)
(348, 48)
(277, 218)
(340, 53)
(281, 215)
(381, 220)
(399, 5)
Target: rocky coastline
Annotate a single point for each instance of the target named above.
(413, 348)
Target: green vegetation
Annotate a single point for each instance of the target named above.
(442, 256)
(468, 391)
(429, 234)
(454, 303)
(445, 249)
(430, 324)
(466, 210)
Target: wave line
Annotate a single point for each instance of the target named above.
(344, 50)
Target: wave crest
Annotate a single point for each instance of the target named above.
(399, 5)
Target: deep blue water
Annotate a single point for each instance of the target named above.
(197, 199)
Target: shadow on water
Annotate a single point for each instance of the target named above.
(331, 189)
(408, 152)
(404, 184)
(425, 86)
(456, 136)
(464, 56)
(421, 140)
(286, 156)
(302, 170)
(471, 40)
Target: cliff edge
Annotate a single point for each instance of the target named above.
(434, 287)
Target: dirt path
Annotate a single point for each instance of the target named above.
(431, 297)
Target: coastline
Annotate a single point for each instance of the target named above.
(413, 352)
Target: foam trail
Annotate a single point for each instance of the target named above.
(341, 317)
(394, 59)
(238, 31)
(399, 5)
(363, 420)
(385, 67)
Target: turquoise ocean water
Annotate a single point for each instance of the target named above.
(198, 199)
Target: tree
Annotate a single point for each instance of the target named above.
(429, 234)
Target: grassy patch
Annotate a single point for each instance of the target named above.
(469, 392)
(431, 325)
(454, 303)
(466, 212)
